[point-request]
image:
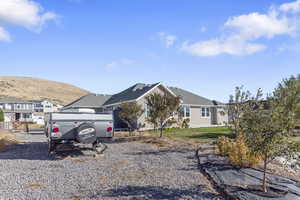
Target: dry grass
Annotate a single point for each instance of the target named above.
(163, 142)
(34, 126)
(38, 89)
(34, 185)
(166, 142)
(7, 139)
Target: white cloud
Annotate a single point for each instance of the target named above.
(255, 25)
(240, 32)
(4, 36)
(167, 39)
(25, 13)
(218, 46)
(293, 7)
(118, 63)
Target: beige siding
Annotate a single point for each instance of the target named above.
(222, 116)
(197, 120)
(142, 120)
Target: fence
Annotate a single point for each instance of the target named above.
(6, 125)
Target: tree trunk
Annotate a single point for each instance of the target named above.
(129, 127)
(264, 186)
(161, 130)
(26, 127)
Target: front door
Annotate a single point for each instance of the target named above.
(18, 116)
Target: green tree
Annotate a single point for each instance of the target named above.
(161, 109)
(238, 103)
(130, 113)
(1, 115)
(268, 125)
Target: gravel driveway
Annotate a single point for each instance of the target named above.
(129, 170)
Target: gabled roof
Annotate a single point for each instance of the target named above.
(132, 93)
(89, 101)
(12, 100)
(191, 98)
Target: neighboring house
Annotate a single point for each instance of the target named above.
(16, 109)
(201, 111)
(42, 107)
(45, 106)
(21, 110)
(38, 118)
(37, 106)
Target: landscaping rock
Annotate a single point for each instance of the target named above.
(126, 170)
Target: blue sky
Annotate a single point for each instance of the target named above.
(203, 46)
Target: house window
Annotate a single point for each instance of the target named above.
(187, 111)
(26, 115)
(147, 110)
(205, 112)
(184, 111)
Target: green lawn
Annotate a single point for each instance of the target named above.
(201, 134)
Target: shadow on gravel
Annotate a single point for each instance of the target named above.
(156, 192)
(39, 151)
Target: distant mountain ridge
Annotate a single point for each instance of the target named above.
(28, 88)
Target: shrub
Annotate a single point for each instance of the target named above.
(224, 144)
(1, 115)
(237, 151)
(185, 123)
(6, 140)
(241, 156)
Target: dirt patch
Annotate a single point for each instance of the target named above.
(34, 185)
(172, 143)
(119, 164)
(7, 139)
(133, 175)
(79, 159)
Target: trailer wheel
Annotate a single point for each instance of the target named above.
(51, 146)
(86, 133)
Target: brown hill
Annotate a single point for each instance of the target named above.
(37, 89)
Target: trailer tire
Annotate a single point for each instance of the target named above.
(51, 147)
(86, 133)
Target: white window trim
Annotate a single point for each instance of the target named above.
(205, 112)
(184, 111)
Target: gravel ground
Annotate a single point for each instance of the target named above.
(129, 170)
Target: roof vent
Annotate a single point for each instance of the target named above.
(138, 87)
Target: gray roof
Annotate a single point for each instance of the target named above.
(12, 100)
(131, 93)
(89, 101)
(191, 98)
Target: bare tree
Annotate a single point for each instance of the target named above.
(161, 109)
